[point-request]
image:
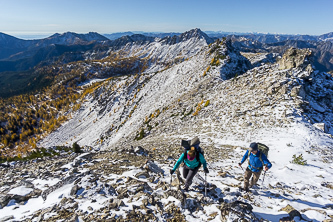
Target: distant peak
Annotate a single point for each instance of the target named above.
(195, 33)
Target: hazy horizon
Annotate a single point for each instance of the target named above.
(31, 36)
(37, 17)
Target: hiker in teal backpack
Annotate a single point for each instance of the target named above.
(192, 159)
(257, 162)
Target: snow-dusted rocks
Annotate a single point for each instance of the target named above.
(110, 185)
(293, 58)
(190, 88)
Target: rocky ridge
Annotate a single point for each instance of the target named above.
(214, 92)
(160, 103)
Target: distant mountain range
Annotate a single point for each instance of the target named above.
(18, 55)
(261, 37)
(117, 35)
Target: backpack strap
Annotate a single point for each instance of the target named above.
(260, 158)
(197, 156)
(197, 153)
(185, 155)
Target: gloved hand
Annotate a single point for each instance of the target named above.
(265, 168)
(172, 171)
(239, 164)
(206, 171)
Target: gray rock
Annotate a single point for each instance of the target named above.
(291, 211)
(115, 203)
(321, 126)
(74, 190)
(140, 151)
(318, 107)
(294, 58)
(26, 184)
(142, 175)
(6, 218)
(298, 91)
(74, 218)
(4, 200)
(237, 208)
(150, 165)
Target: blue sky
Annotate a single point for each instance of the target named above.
(313, 17)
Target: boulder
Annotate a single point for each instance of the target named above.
(74, 190)
(237, 208)
(298, 91)
(150, 165)
(175, 193)
(222, 174)
(321, 126)
(4, 200)
(142, 175)
(294, 58)
(291, 211)
(176, 182)
(7, 218)
(140, 151)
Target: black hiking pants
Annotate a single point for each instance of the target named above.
(188, 174)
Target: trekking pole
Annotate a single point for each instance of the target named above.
(205, 185)
(241, 167)
(263, 178)
(170, 179)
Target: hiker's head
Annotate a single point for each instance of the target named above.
(254, 147)
(191, 152)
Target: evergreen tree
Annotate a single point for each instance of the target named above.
(76, 148)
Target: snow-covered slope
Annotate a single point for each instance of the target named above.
(192, 88)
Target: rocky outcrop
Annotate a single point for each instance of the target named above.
(294, 58)
(239, 209)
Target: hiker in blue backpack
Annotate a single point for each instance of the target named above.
(192, 159)
(257, 162)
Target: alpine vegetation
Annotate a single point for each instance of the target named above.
(180, 128)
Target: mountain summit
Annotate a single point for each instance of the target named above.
(192, 34)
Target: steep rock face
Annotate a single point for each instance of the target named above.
(293, 58)
(317, 92)
(313, 87)
(235, 63)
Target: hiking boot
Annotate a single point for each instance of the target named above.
(185, 188)
(244, 189)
